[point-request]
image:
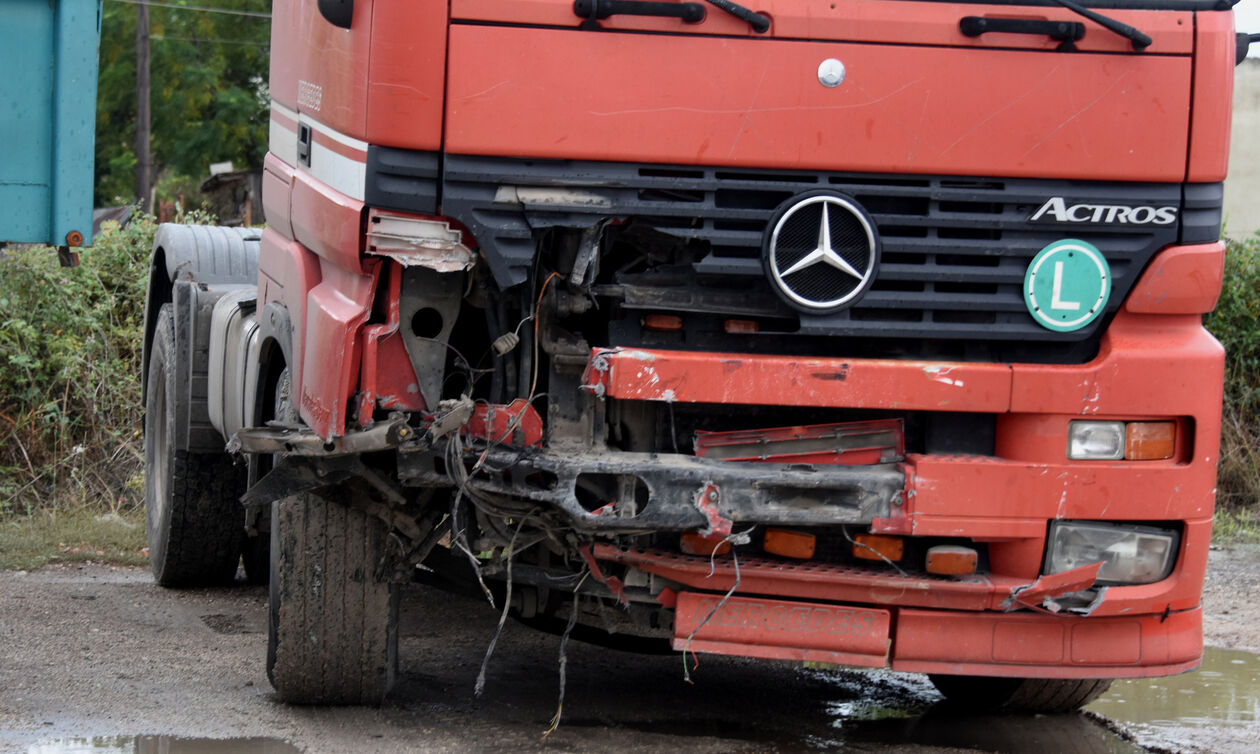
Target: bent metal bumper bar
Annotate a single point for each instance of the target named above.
(683, 492)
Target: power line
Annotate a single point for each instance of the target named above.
(216, 41)
(197, 8)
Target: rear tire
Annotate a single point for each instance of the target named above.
(193, 514)
(333, 635)
(1038, 695)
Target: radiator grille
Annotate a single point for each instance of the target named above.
(955, 249)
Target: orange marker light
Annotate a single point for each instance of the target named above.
(1149, 441)
(695, 543)
(662, 322)
(740, 326)
(788, 544)
(951, 560)
(878, 547)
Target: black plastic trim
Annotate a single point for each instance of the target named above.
(1202, 213)
(402, 179)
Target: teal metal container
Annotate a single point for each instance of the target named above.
(48, 66)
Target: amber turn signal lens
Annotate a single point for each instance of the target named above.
(1149, 441)
(878, 547)
(662, 322)
(788, 544)
(732, 326)
(951, 560)
(695, 543)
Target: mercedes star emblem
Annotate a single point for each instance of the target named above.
(821, 252)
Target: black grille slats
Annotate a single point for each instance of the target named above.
(955, 249)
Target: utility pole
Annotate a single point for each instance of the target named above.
(144, 166)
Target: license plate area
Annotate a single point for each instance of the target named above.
(782, 630)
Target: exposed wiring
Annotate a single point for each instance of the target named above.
(533, 385)
(734, 538)
(845, 531)
(459, 537)
(564, 658)
(673, 430)
(503, 615)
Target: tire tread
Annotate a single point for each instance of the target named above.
(198, 542)
(1019, 695)
(333, 635)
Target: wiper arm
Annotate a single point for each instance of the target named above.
(1139, 40)
(759, 23)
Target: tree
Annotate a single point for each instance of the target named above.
(209, 90)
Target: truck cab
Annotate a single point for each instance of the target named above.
(864, 332)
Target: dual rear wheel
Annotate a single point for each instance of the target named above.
(332, 635)
(193, 513)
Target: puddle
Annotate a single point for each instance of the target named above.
(162, 745)
(1036, 734)
(904, 711)
(1221, 697)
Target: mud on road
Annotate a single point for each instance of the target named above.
(98, 650)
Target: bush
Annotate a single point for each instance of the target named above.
(70, 339)
(1236, 323)
(70, 410)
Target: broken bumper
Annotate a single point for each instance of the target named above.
(913, 623)
(684, 492)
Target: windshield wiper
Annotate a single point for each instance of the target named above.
(692, 13)
(1139, 40)
(759, 23)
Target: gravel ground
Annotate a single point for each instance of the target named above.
(1231, 598)
(99, 650)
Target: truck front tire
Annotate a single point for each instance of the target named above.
(975, 694)
(193, 515)
(333, 633)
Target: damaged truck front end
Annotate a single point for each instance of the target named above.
(844, 339)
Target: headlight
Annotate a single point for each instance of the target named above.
(1129, 554)
(1095, 441)
(1113, 441)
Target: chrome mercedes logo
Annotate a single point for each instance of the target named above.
(821, 252)
(831, 73)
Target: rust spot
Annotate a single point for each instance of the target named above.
(838, 376)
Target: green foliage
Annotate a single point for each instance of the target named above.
(75, 535)
(1236, 526)
(1236, 323)
(70, 372)
(208, 98)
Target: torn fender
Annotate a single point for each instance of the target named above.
(1041, 593)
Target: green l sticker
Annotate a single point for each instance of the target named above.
(1067, 285)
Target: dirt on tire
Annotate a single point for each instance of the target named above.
(333, 635)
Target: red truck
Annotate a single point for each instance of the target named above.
(862, 332)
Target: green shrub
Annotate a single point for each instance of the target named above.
(70, 410)
(1236, 323)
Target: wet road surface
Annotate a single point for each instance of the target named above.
(102, 652)
(1214, 708)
